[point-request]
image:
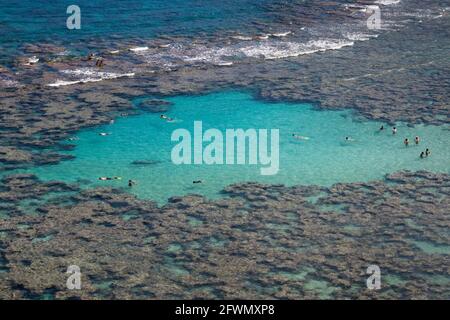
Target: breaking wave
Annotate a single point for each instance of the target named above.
(85, 75)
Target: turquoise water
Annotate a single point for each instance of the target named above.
(324, 159)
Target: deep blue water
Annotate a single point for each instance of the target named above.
(30, 21)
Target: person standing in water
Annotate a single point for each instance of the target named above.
(394, 130)
(381, 128)
(406, 142)
(422, 154)
(99, 63)
(131, 183)
(427, 152)
(417, 139)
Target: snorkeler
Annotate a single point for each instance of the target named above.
(296, 136)
(164, 117)
(197, 181)
(417, 139)
(394, 130)
(406, 142)
(109, 178)
(349, 139)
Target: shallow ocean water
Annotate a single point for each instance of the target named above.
(326, 158)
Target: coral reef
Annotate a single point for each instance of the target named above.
(260, 241)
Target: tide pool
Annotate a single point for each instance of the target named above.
(139, 148)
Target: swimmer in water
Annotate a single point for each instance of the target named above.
(382, 128)
(422, 154)
(164, 117)
(394, 130)
(103, 134)
(349, 139)
(417, 140)
(296, 136)
(406, 142)
(131, 183)
(109, 178)
(427, 152)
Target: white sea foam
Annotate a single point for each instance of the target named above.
(281, 34)
(87, 75)
(224, 63)
(59, 83)
(387, 2)
(178, 54)
(139, 49)
(278, 50)
(275, 49)
(359, 36)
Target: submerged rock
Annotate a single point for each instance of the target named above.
(265, 241)
(155, 106)
(145, 162)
